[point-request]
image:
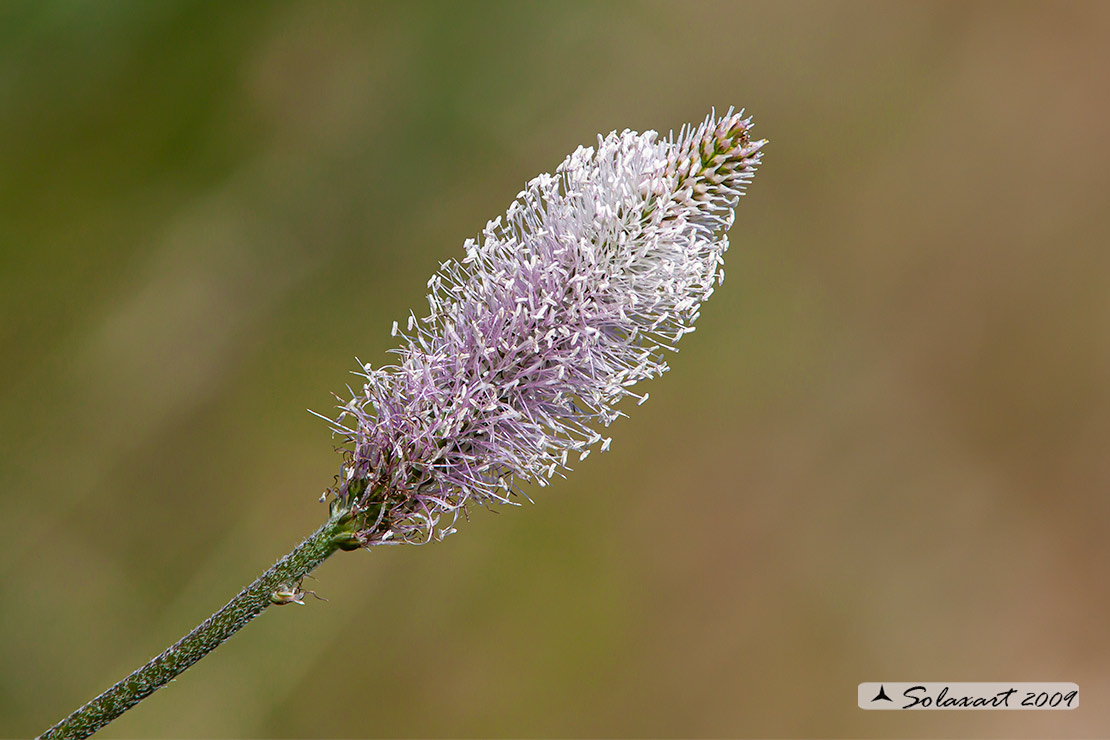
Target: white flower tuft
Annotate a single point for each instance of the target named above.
(552, 316)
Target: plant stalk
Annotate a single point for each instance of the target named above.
(278, 585)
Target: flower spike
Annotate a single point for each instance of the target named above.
(553, 315)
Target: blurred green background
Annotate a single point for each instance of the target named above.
(883, 455)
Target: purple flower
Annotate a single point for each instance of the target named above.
(554, 315)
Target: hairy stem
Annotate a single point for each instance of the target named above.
(278, 585)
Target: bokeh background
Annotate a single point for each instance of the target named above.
(883, 455)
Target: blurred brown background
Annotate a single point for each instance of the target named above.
(883, 455)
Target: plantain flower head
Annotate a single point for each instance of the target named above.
(555, 314)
